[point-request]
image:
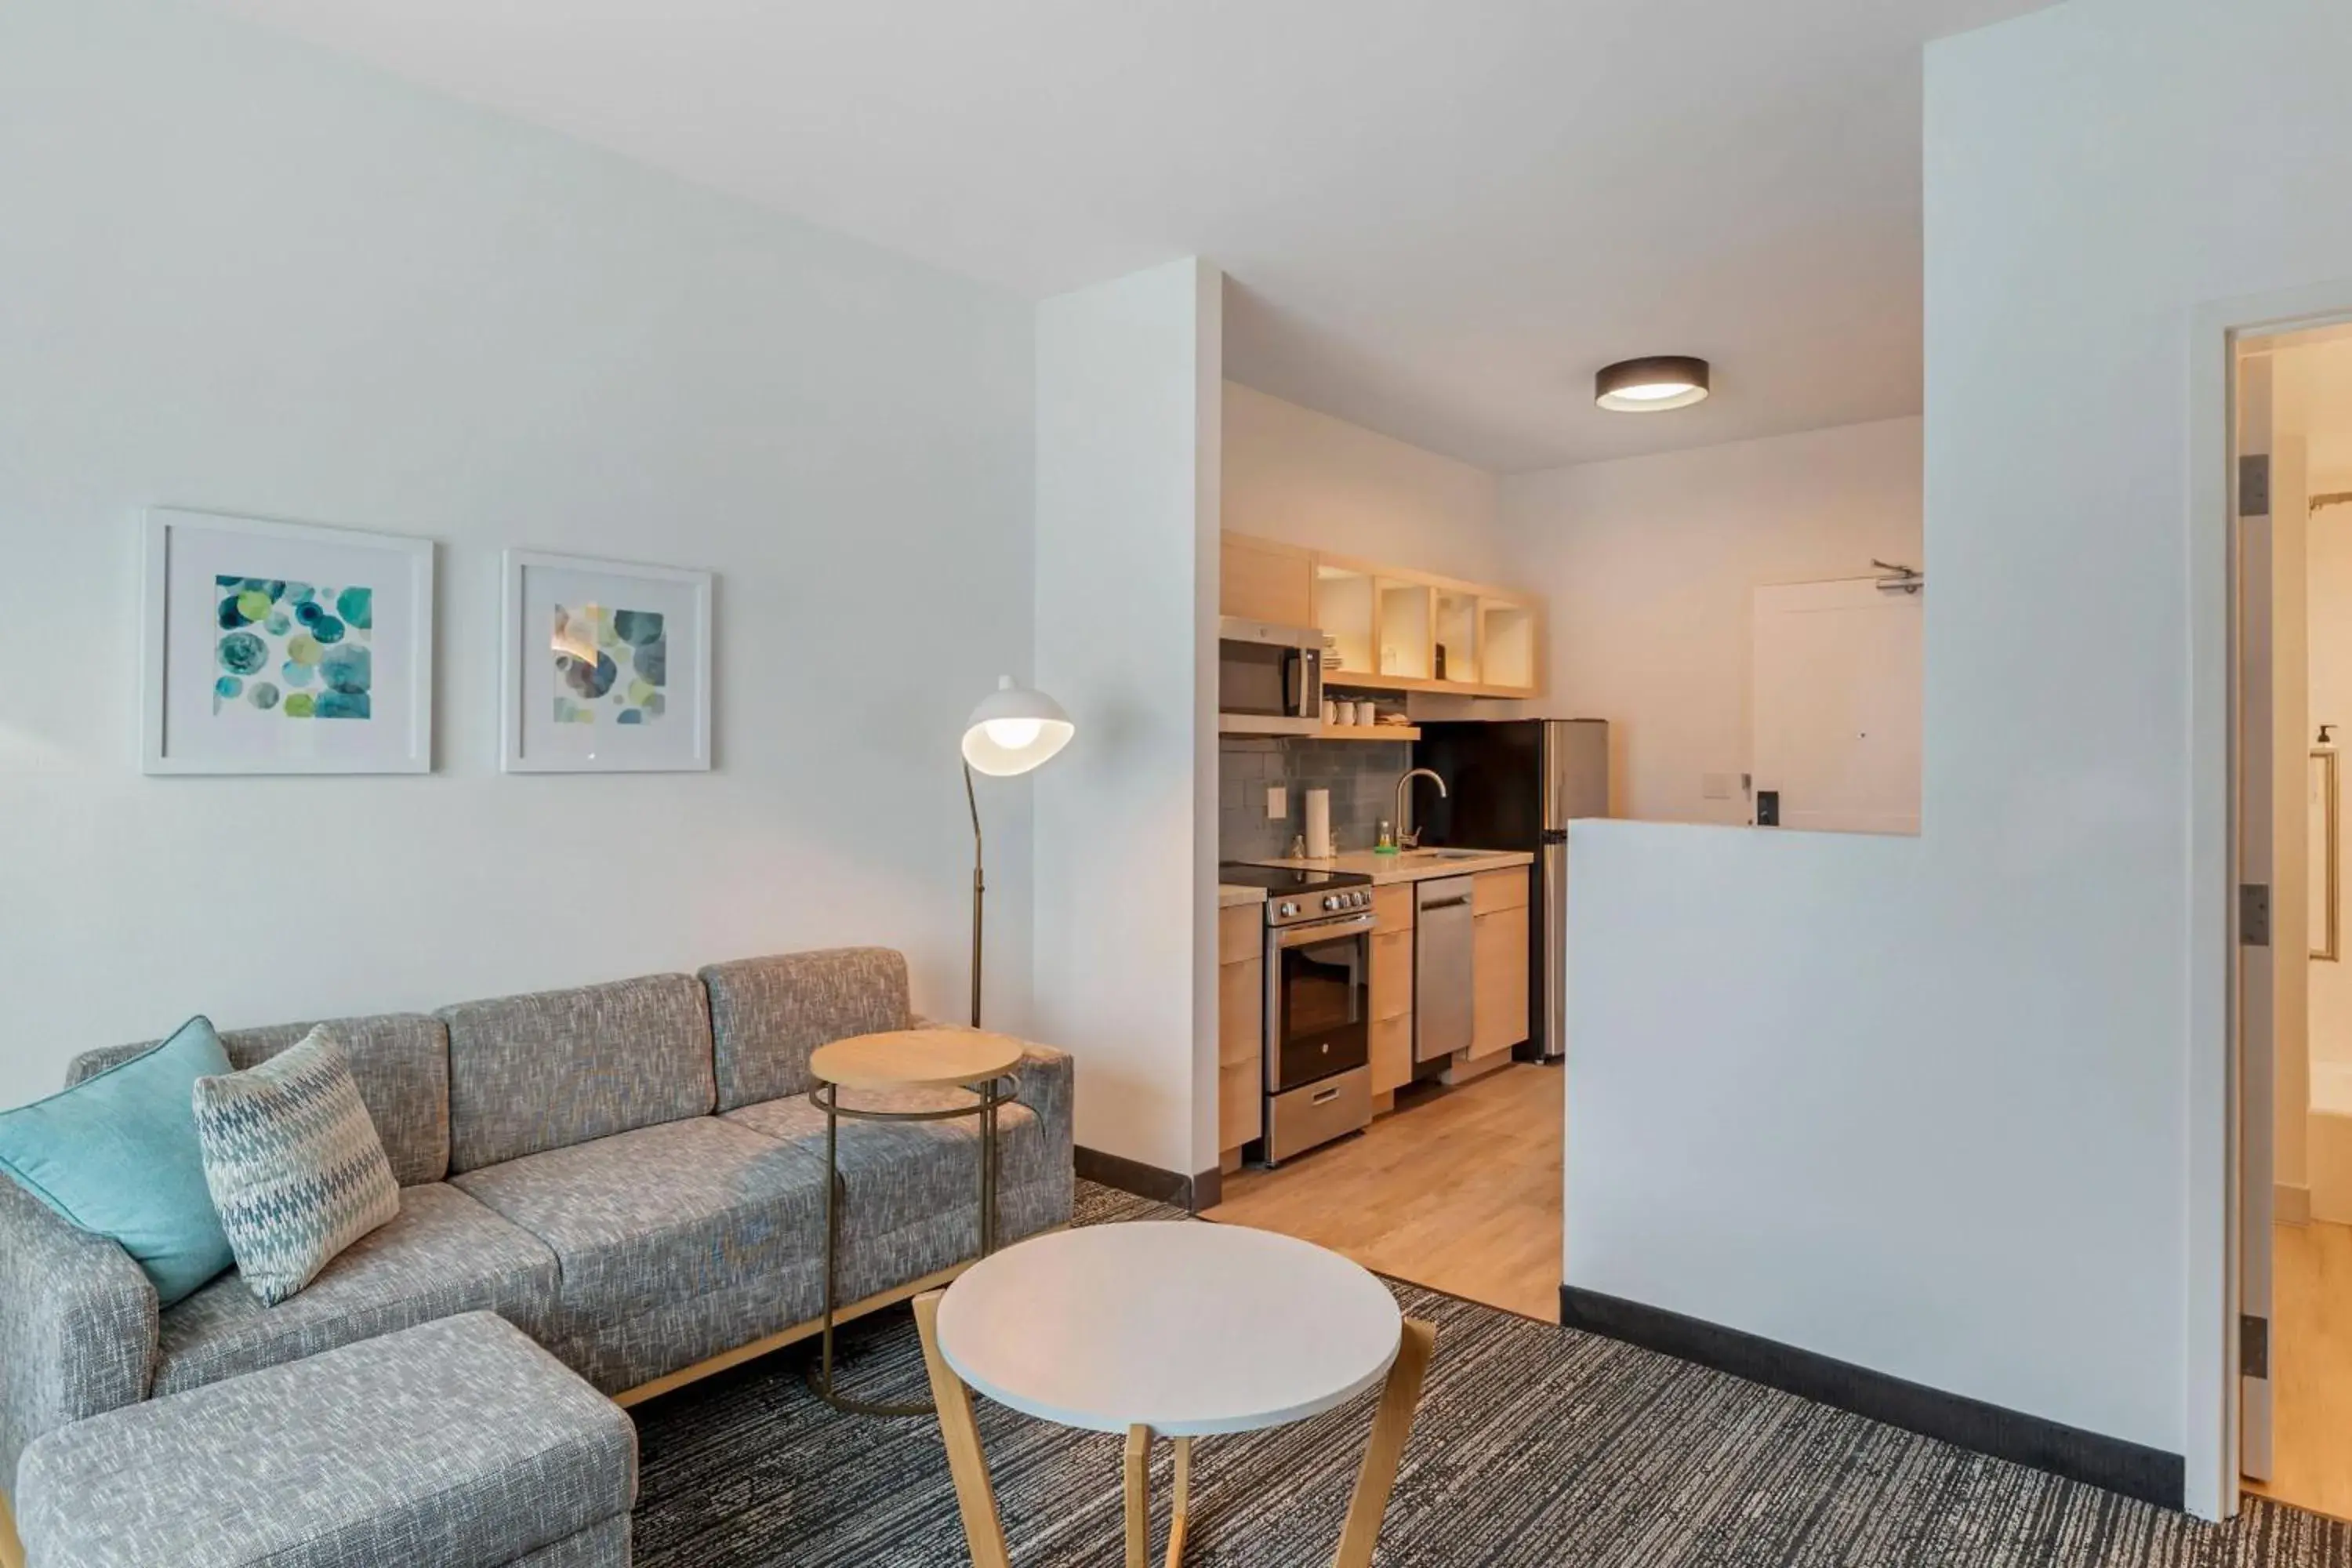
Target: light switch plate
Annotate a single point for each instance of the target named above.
(1277, 802)
(1714, 786)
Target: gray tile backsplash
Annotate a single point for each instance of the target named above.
(1360, 774)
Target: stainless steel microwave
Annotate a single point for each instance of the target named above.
(1269, 678)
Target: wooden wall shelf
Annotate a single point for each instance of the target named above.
(1387, 623)
(1369, 733)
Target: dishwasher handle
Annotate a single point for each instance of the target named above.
(1453, 903)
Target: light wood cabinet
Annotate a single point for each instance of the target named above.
(1493, 890)
(1386, 625)
(1392, 1042)
(1392, 1053)
(1259, 579)
(1498, 1012)
(1241, 1025)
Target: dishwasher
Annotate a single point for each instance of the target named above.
(1442, 984)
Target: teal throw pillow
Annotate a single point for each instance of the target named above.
(116, 1154)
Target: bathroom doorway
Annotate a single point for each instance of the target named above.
(2294, 436)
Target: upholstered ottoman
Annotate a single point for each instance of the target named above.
(459, 1443)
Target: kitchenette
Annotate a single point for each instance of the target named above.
(1392, 886)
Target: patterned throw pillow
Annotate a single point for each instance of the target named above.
(294, 1165)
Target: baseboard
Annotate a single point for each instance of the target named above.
(1193, 1194)
(2291, 1204)
(2147, 1474)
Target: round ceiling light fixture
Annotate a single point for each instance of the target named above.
(1650, 386)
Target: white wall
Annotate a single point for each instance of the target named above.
(1127, 408)
(1307, 478)
(1924, 1104)
(238, 274)
(1652, 564)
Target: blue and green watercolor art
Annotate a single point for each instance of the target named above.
(609, 662)
(316, 639)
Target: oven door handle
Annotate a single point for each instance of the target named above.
(1323, 931)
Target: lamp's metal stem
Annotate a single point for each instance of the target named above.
(979, 890)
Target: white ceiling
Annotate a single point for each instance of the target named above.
(1439, 216)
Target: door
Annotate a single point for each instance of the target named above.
(2258, 737)
(1836, 702)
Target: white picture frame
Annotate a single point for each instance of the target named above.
(279, 694)
(626, 713)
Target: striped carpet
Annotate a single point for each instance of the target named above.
(1535, 1447)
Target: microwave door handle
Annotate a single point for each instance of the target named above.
(1294, 682)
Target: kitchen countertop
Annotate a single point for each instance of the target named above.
(1413, 866)
(1231, 897)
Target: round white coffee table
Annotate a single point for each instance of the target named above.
(1180, 1330)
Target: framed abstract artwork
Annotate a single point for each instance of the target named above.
(279, 648)
(607, 667)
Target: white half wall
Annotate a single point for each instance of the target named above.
(1127, 433)
(240, 274)
(1652, 564)
(1926, 1105)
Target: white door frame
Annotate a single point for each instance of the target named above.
(2213, 1239)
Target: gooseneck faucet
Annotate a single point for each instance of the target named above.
(1403, 790)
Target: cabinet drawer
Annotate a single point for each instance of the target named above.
(1391, 975)
(1240, 933)
(1499, 1003)
(1392, 1053)
(1241, 1013)
(1241, 1105)
(1493, 891)
(1392, 907)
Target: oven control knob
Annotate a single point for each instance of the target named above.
(1331, 900)
(1288, 910)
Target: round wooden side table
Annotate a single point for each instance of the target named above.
(1180, 1330)
(903, 1059)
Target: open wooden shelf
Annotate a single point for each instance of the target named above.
(1369, 733)
(1385, 623)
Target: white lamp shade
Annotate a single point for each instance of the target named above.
(1015, 730)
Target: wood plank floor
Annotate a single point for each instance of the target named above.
(1458, 1190)
(2311, 1358)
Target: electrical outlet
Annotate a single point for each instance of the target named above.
(1277, 802)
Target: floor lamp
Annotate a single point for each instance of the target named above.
(1013, 730)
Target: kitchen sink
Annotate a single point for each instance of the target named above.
(1446, 854)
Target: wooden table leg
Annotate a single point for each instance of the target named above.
(1138, 1497)
(1180, 1505)
(1390, 1427)
(983, 1532)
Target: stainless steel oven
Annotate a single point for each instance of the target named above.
(1318, 1010)
(1269, 678)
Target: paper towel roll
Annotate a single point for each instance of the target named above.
(1318, 824)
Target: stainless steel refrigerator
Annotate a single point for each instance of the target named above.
(1516, 784)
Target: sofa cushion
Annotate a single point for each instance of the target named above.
(116, 1154)
(532, 1073)
(444, 1254)
(894, 1173)
(660, 1214)
(400, 1060)
(459, 1443)
(767, 1014)
(294, 1165)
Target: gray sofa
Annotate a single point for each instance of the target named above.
(631, 1173)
